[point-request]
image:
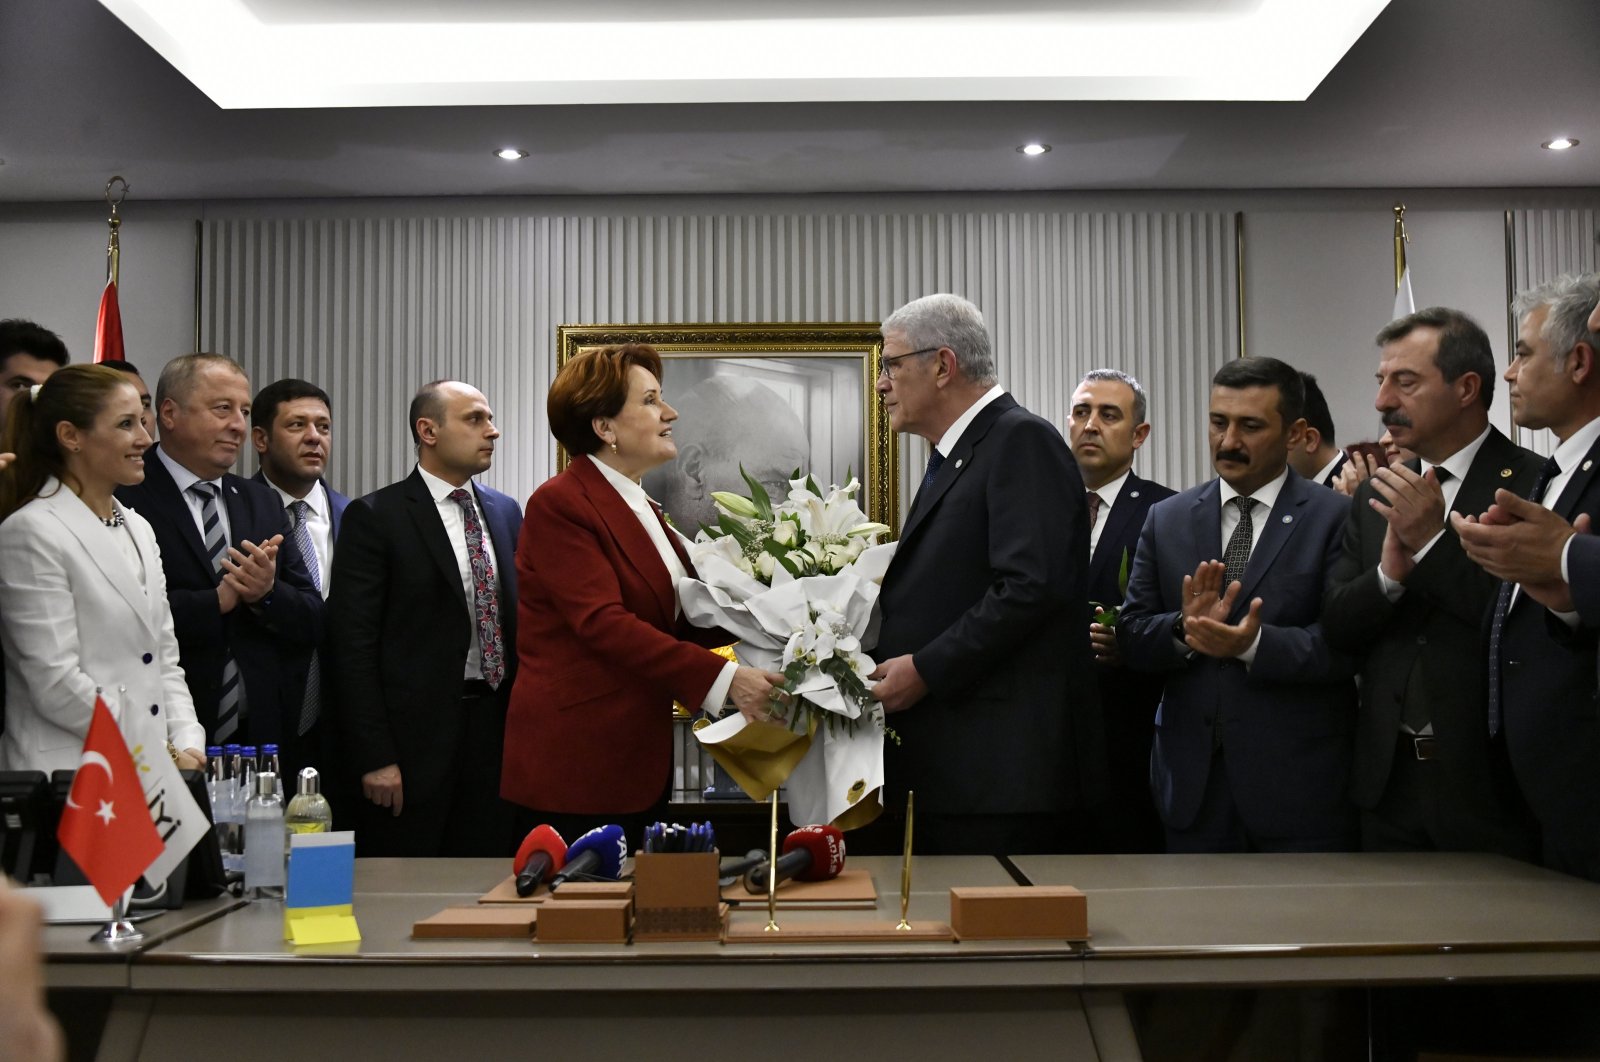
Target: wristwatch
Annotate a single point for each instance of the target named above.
(1177, 626)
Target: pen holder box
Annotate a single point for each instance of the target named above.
(676, 896)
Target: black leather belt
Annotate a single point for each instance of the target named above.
(475, 688)
(1422, 746)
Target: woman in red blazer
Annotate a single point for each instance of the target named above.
(602, 646)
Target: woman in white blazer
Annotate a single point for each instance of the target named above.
(83, 601)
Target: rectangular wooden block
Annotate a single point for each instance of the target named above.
(478, 922)
(584, 921)
(595, 890)
(1019, 912)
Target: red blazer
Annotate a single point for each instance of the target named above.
(600, 658)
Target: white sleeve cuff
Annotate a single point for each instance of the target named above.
(1249, 655)
(717, 697)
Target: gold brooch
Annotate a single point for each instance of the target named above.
(1505, 473)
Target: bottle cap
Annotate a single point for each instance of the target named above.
(266, 784)
(269, 750)
(310, 782)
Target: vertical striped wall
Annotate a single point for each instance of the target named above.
(1543, 245)
(371, 308)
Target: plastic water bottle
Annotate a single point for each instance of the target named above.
(230, 810)
(269, 762)
(265, 842)
(309, 811)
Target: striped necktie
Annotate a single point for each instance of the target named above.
(231, 694)
(1502, 607)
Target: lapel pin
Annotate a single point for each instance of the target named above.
(1588, 465)
(1133, 494)
(1288, 519)
(958, 461)
(1505, 473)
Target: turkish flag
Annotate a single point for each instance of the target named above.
(108, 328)
(106, 826)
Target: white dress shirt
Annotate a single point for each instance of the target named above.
(319, 522)
(637, 501)
(455, 526)
(1569, 455)
(1108, 498)
(947, 441)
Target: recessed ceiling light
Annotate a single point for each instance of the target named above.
(1560, 143)
(511, 154)
(1034, 149)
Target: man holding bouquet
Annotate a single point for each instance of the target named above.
(984, 664)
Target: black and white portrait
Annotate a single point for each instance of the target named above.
(770, 413)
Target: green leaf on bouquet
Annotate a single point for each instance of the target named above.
(740, 533)
(1122, 573)
(811, 485)
(758, 495)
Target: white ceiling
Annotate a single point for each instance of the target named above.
(1435, 93)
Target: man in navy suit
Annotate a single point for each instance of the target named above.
(243, 604)
(1252, 742)
(984, 664)
(1108, 425)
(1543, 630)
(292, 432)
(422, 640)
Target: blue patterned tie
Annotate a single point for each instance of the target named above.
(230, 696)
(311, 707)
(1502, 606)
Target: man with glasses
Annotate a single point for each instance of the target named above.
(985, 670)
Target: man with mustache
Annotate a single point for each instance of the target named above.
(243, 605)
(422, 640)
(1252, 741)
(292, 431)
(1409, 603)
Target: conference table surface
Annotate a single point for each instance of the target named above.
(1154, 919)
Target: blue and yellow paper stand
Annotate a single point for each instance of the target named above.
(319, 900)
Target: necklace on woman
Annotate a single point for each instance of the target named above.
(115, 519)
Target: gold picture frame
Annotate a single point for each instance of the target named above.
(814, 369)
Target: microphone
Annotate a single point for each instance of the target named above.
(541, 851)
(596, 856)
(811, 853)
(734, 869)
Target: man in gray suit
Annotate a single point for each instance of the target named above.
(986, 667)
(1411, 605)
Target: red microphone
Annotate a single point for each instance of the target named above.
(541, 852)
(810, 853)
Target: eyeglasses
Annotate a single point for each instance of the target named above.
(888, 363)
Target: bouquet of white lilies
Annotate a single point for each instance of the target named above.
(798, 583)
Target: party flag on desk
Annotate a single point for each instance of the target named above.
(173, 811)
(106, 826)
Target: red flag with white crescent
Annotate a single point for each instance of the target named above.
(108, 329)
(106, 826)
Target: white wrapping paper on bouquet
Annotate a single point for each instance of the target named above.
(832, 767)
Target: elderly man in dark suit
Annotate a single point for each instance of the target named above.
(984, 664)
(422, 642)
(292, 432)
(246, 612)
(1406, 600)
(1252, 744)
(1542, 636)
(1108, 425)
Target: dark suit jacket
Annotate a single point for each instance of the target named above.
(400, 629)
(1286, 720)
(270, 641)
(336, 501)
(1128, 698)
(1552, 709)
(1333, 474)
(1583, 565)
(987, 590)
(1436, 626)
(589, 729)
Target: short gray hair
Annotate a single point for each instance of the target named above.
(1141, 404)
(1571, 298)
(177, 378)
(947, 321)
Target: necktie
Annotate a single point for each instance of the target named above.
(1237, 555)
(672, 539)
(311, 707)
(230, 696)
(485, 606)
(935, 459)
(1094, 501)
(1502, 606)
